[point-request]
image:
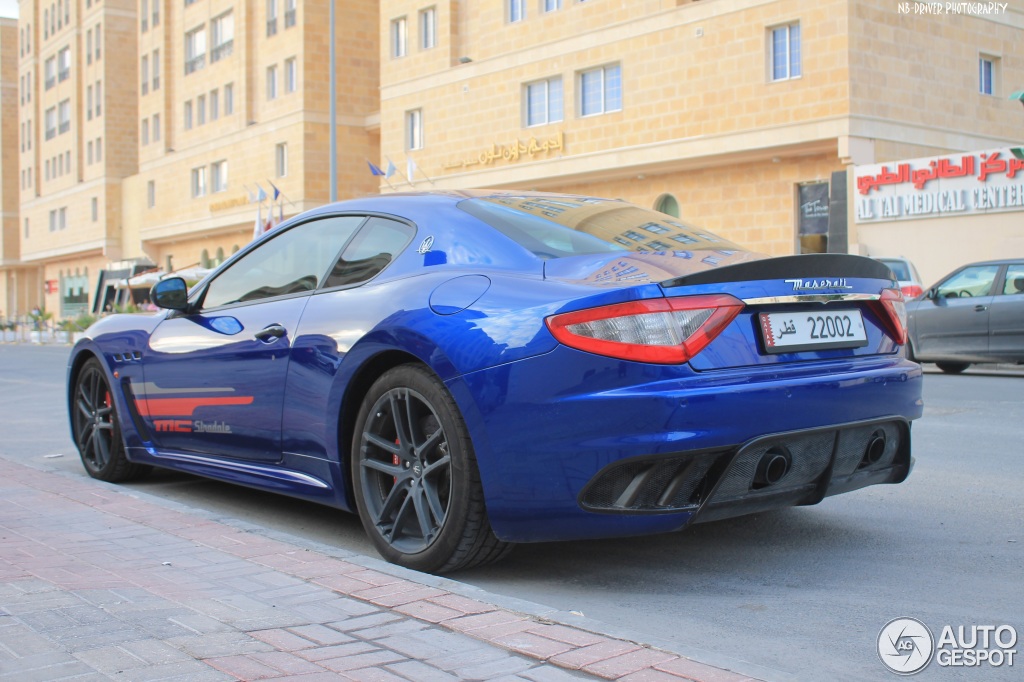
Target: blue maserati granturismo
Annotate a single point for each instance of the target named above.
(469, 370)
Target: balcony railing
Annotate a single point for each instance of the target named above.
(222, 51)
(51, 133)
(194, 64)
(64, 127)
(50, 82)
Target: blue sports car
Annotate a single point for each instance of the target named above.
(469, 370)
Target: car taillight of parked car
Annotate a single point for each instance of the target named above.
(660, 330)
(911, 291)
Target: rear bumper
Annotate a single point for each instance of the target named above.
(543, 447)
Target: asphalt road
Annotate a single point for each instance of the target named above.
(803, 592)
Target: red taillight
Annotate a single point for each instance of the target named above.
(660, 330)
(893, 312)
(911, 291)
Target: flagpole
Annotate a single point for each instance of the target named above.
(333, 113)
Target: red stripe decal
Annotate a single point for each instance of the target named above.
(181, 407)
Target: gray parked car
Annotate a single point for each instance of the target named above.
(974, 314)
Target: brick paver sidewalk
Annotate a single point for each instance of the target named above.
(98, 584)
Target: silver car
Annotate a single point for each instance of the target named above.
(974, 314)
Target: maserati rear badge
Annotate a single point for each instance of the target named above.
(426, 244)
(812, 284)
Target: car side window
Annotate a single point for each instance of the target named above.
(291, 262)
(1014, 280)
(973, 281)
(377, 244)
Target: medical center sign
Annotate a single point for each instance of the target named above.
(961, 184)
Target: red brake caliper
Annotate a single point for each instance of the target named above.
(394, 460)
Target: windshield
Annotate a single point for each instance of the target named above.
(560, 226)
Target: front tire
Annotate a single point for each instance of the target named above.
(415, 478)
(97, 430)
(952, 367)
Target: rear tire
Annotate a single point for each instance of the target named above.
(97, 429)
(952, 367)
(415, 477)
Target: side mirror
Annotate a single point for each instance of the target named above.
(171, 293)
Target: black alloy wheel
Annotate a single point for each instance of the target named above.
(415, 479)
(96, 429)
(952, 367)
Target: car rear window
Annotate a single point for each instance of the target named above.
(560, 226)
(900, 269)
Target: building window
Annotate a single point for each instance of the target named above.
(187, 118)
(414, 129)
(88, 102)
(99, 98)
(156, 13)
(222, 32)
(281, 159)
(988, 75)
(156, 70)
(99, 149)
(428, 28)
(95, 209)
(50, 121)
(516, 10)
(272, 82)
(543, 101)
(50, 72)
(601, 90)
(229, 99)
(398, 37)
(151, 194)
(195, 49)
(199, 182)
(552, 5)
(201, 110)
(289, 13)
(785, 52)
(88, 153)
(88, 46)
(26, 228)
(291, 75)
(99, 41)
(271, 17)
(144, 73)
(219, 176)
(64, 116)
(144, 15)
(145, 131)
(214, 105)
(64, 64)
(156, 127)
(668, 205)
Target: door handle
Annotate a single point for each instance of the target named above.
(980, 308)
(270, 333)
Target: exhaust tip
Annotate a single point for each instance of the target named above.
(875, 449)
(772, 468)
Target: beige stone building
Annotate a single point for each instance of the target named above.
(145, 127)
(740, 116)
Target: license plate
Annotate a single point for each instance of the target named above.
(806, 330)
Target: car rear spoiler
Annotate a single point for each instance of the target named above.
(827, 266)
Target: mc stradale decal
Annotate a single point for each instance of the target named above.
(172, 409)
(816, 284)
